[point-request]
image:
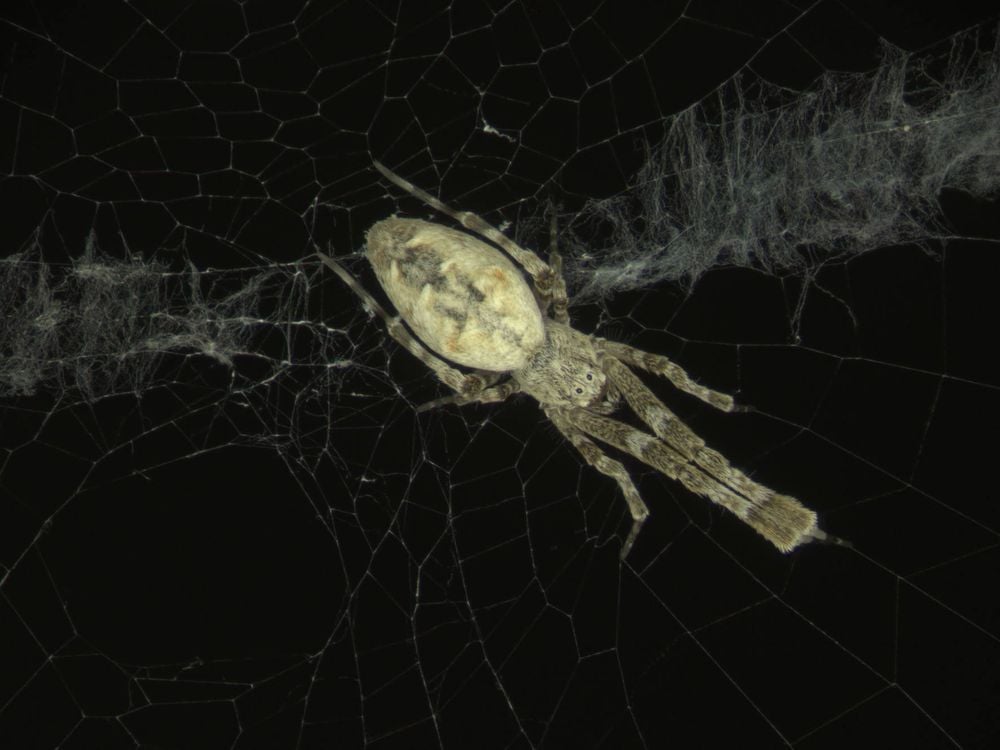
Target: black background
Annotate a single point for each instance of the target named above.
(211, 561)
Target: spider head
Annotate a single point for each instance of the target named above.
(566, 371)
(588, 386)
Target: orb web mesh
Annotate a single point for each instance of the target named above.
(224, 524)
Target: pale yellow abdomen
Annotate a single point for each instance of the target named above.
(462, 297)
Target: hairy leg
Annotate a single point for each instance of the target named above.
(660, 365)
(780, 519)
(678, 435)
(594, 456)
(559, 295)
(489, 395)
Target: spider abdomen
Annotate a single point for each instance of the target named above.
(462, 297)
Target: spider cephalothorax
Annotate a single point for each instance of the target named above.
(462, 300)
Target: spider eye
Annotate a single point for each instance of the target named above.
(590, 376)
(579, 390)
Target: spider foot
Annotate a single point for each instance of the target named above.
(821, 537)
(471, 385)
(633, 534)
(545, 281)
(443, 401)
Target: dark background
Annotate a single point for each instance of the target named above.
(287, 555)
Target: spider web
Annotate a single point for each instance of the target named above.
(222, 522)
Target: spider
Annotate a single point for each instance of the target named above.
(463, 301)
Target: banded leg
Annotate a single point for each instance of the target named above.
(660, 365)
(559, 297)
(594, 456)
(780, 519)
(680, 437)
(541, 274)
(490, 395)
(467, 386)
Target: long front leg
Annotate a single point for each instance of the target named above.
(669, 428)
(780, 519)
